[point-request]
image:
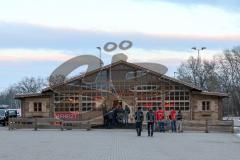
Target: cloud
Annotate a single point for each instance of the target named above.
(224, 4)
(27, 55)
(24, 35)
(168, 57)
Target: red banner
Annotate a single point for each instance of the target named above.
(66, 115)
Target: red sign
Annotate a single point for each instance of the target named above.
(66, 115)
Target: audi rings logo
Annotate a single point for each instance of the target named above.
(58, 76)
(111, 46)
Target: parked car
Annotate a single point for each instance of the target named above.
(6, 114)
(2, 116)
(18, 111)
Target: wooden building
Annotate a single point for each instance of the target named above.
(121, 83)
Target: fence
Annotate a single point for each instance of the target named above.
(209, 125)
(53, 123)
(46, 123)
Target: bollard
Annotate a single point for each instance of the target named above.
(88, 126)
(35, 124)
(206, 126)
(62, 125)
(232, 126)
(9, 124)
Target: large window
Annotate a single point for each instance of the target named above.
(37, 107)
(173, 99)
(67, 102)
(75, 102)
(206, 105)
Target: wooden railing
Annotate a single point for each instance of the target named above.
(47, 123)
(209, 125)
(53, 123)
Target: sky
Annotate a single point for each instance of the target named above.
(36, 36)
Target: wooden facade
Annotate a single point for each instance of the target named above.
(122, 83)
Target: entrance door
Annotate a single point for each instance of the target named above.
(117, 103)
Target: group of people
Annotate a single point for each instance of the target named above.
(157, 119)
(116, 116)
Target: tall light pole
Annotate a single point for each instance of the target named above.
(195, 72)
(100, 66)
(100, 56)
(198, 50)
(175, 73)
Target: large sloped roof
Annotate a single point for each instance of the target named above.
(196, 88)
(129, 64)
(29, 95)
(218, 94)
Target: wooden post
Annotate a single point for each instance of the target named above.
(88, 126)
(35, 124)
(9, 124)
(62, 123)
(232, 126)
(206, 126)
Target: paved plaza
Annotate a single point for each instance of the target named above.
(116, 145)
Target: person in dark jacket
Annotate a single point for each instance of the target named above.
(139, 119)
(179, 121)
(126, 114)
(109, 119)
(150, 116)
(114, 119)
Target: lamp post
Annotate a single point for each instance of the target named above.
(100, 56)
(175, 73)
(195, 71)
(100, 66)
(198, 50)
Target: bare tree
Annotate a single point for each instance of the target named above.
(229, 76)
(219, 74)
(30, 85)
(200, 73)
(26, 85)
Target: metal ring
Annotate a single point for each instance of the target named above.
(127, 43)
(110, 46)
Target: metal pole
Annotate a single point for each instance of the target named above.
(100, 66)
(175, 74)
(100, 56)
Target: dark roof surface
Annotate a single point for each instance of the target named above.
(129, 64)
(29, 95)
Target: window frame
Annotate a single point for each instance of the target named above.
(206, 105)
(37, 106)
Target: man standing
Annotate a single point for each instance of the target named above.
(160, 119)
(150, 121)
(126, 113)
(179, 121)
(139, 120)
(173, 120)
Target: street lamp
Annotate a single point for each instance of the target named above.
(198, 50)
(196, 66)
(100, 66)
(175, 73)
(100, 56)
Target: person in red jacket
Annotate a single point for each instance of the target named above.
(173, 117)
(160, 119)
